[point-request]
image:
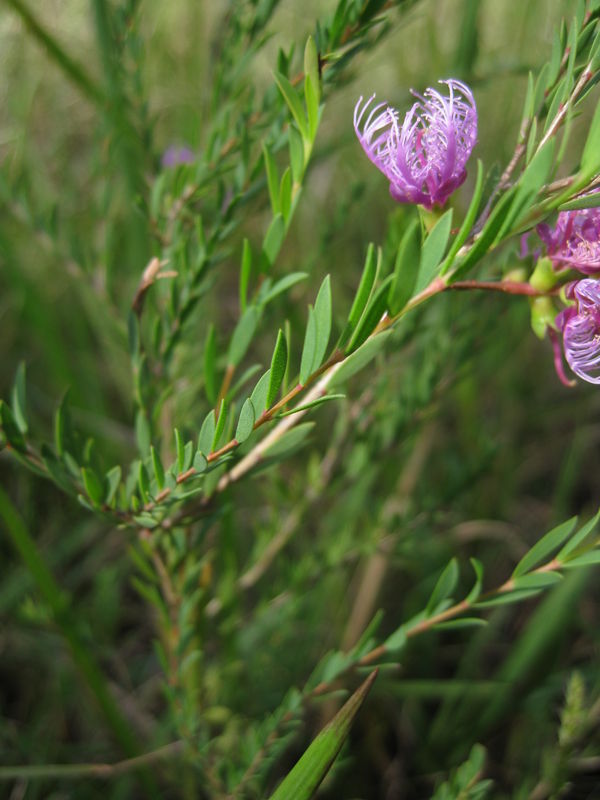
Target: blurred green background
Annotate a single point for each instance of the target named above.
(461, 442)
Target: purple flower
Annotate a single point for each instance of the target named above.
(175, 155)
(580, 328)
(424, 159)
(575, 240)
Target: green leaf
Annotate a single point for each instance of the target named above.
(311, 64)
(159, 472)
(259, 393)
(278, 365)
(433, 250)
(246, 421)
(487, 235)
(590, 158)
(282, 285)
(363, 293)
(199, 463)
(360, 358)
(112, 479)
(371, 317)
(273, 241)
(312, 106)
(396, 641)
(18, 396)
(242, 335)
(444, 587)
(537, 580)
(313, 404)
(579, 538)
(309, 347)
(11, 430)
(305, 777)
(142, 432)
(461, 622)
(546, 545)
(143, 482)
(93, 486)
(220, 426)
(473, 595)
(63, 432)
(468, 222)
(207, 433)
(57, 470)
(584, 560)
(296, 154)
(535, 176)
(272, 179)
(587, 201)
(406, 268)
(294, 103)
(508, 597)
(323, 322)
(285, 194)
(211, 386)
(245, 271)
(179, 450)
(290, 440)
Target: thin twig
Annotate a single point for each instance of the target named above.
(74, 771)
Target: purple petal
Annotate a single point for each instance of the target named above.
(425, 158)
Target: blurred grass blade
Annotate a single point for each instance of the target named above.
(58, 604)
(304, 779)
(73, 70)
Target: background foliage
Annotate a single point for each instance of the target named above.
(458, 441)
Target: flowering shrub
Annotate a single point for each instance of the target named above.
(294, 499)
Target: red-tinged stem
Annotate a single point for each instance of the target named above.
(508, 287)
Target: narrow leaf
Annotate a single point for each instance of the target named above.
(245, 271)
(18, 399)
(319, 401)
(210, 366)
(112, 480)
(579, 537)
(220, 426)
(360, 358)
(372, 316)
(406, 268)
(259, 393)
(278, 365)
(444, 587)
(282, 285)
(293, 101)
(305, 777)
(272, 179)
(309, 347)
(246, 421)
(433, 250)
(323, 322)
(546, 545)
(273, 241)
(207, 433)
(363, 293)
(93, 486)
(468, 222)
(242, 335)
(159, 472)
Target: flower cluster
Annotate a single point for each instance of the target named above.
(575, 240)
(574, 243)
(424, 159)
(580, 328)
